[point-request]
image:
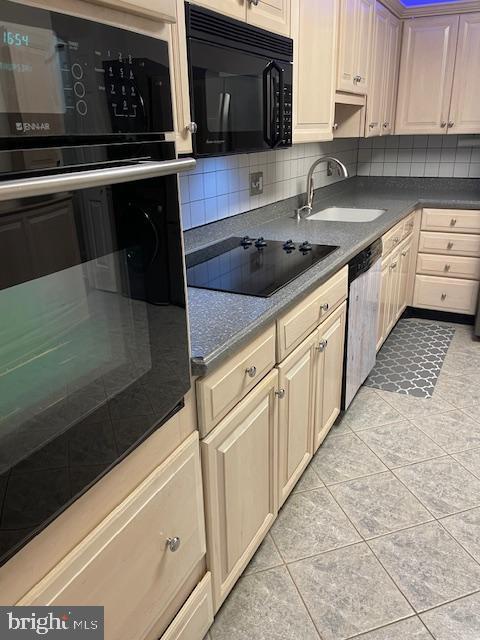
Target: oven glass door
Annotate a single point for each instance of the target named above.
(93, 340)
(237, 99)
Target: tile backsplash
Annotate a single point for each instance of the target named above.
(220, 187)
(420, 156)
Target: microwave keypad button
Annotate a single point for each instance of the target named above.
(82, 107)
(79, 89)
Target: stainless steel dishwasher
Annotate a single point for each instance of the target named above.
(364, 280)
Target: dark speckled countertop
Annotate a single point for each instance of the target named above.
(220, 323)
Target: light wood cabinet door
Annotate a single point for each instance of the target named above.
(375, 102)
(426, 74)
(233, 8)
(180, 82)
(126, 565)
(405, 266)
(272, 15)
(363, 44)
(164, 10)
(329, 373)
(355, 45)
(465, 105)
(394, 27)
(383, 304)
(240, 469)
(393, 291)
(314, 33)
(296, 376)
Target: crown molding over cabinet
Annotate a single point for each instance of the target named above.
(461, 6)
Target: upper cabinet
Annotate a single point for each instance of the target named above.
(426, 75)
(314, 33)
(465, 105)
(233, 8)
(355, 45)
(272, 15)
(161, 9)
(383, 87)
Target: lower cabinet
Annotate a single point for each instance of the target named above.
(196, 616)
(240, 467)
(144, 560)
(329, 372)
(296, 380)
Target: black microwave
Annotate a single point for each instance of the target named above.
(240, 85)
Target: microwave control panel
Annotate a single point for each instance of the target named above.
(66, 76)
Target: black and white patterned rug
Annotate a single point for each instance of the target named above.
(411, 358)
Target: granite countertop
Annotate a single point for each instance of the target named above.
(220, 323)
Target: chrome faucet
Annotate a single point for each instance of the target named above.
(310, 186)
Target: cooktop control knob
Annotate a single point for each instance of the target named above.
(289, 246)
(305, 246)
(260, 243)
(246, 241)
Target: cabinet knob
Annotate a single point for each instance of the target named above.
(404, 253)
(372, 125)
(450, 245)
(386, 124)
(280, 394)
(173, 543)
(325, 306)
(451, 124)
(357, 79)
(393, 266)
(192, 127)
(396, 240)
(443, 124)
(251, 371)
(447, 267)
(335, 126)
(254, 2)
(443, 296)
(453, 222)
(322, 345)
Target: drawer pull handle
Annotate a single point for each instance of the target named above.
(251, 371)
(453, 222)
(404, 253)
(325, 306)
(396, 240)
(280, 394)
(322, 345)
(447, 267)
(450, 245)
(393, 265)
(173, 543)
(443, 296)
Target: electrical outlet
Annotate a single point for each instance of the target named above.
(256, 183)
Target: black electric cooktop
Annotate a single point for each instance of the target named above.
(252, 266)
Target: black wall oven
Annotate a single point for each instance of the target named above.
(240, 85)
(94, 351)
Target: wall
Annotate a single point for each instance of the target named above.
(219, 187)
(419, 156)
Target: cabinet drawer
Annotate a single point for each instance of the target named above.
(221, 390)
(196, 616)
(126, 565)
(295, 326)
(448, 266)
(408, 225)
(392, 238)
(445, 294)
(453, 220)
(449, 244)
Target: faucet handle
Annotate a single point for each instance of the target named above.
(300, 210)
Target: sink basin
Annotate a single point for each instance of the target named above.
(339, 214)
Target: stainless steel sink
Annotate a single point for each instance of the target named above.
(340, 214)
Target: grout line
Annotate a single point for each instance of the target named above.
(458, 542)
(304, 603)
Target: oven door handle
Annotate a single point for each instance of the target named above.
(58, 183)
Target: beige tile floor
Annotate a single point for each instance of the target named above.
(380, 540)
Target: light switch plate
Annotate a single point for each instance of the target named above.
(256, 183)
